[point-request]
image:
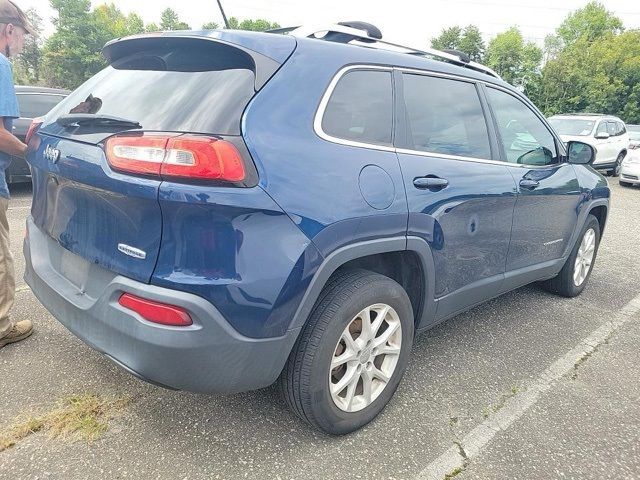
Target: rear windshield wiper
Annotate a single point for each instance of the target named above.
(77, 119)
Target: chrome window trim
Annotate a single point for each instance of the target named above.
(317, 122)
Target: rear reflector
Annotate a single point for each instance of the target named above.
(156, 312)
(176, 157)
(35, 123)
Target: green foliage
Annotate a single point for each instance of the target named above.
(515, 60)
(169, 21)
(258, 25)
(72, 53)
(26, 68)
(601, 76)
(591, 22)
(210, 26)
(472, 43)
(468, 41)
(449, 38)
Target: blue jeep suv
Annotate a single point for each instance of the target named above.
(220, 211)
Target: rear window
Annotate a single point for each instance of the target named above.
(197, 90)
(361, 108)
(34, 105)
(572, 126)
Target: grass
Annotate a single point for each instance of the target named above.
(453, 473)
(83, 416)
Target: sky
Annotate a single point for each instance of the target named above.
(408, 22)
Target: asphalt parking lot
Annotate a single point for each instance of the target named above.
(464, 374)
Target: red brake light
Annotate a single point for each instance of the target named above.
(179, 157)
(35, 123)
(156, 312)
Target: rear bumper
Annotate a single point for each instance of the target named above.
(208, 356)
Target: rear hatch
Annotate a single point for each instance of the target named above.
(157, 89)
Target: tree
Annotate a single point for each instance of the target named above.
(27, 66)
(135, 24)
(152, 27)
(591, 22)
(449, 39)
(468, 41)
(72, 53)
(516, 61)
(210, 26)
(169, 21)
(601, 76)
(472, 43)
(259, 25)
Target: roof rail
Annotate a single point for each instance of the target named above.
(361, 33)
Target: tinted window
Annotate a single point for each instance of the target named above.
(445, 116)
(34, 105)
(526, 140)
(361, 108)
(201, 89)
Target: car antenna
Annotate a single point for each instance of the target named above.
(224, 17)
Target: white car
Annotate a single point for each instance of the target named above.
(607, 134)
(630, 171)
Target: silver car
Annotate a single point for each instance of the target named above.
(630, 170)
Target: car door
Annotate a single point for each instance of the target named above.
(460, 200)
(546, 210)
(604, 146)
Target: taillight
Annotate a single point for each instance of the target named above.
(35, 123)
(137, 154)
(181, 156)
(156, 312)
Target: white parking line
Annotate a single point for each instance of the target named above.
(457, 457)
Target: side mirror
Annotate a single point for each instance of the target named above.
(602, 135)
(581, 153)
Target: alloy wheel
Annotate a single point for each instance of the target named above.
(585, 256)
(365, 357)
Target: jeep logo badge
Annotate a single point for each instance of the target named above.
(52, 154)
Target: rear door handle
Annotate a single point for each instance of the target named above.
(529, 184)
(428, 183)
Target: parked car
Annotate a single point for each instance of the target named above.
(607, 134)
(247, 208)
(630, 172)
(634, 136)
(34, 102)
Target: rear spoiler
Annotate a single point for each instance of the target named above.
(265, 65)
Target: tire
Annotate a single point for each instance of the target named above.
(625, 184)
(615, 171)
(305, 383)
(564, 283)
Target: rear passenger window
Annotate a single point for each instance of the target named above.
(445, 116)
(525, 138)
(621, 128)
(361, 108)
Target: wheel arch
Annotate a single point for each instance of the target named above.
(398, 258)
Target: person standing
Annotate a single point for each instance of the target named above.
(14, 25)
